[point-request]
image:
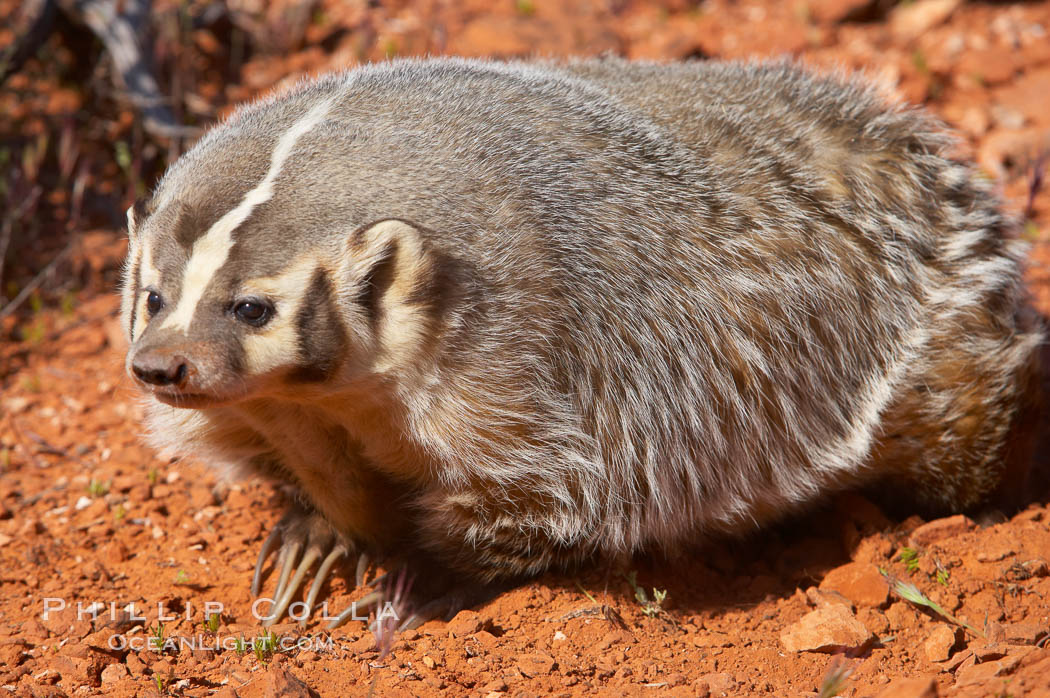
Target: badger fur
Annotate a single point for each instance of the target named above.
(519, 314)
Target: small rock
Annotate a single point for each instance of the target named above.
(114, 553)
(1023, 633)
(829, 629)
(860, 582)
(113, 673)
(939, 529)
(979, 673)
(365, 643)
(909, 21)
(536, 664)
(718, 684)
(281, 682)
(80, 670)
(135, 664)
(486, 639)
(559, 636)
(615, 637)
(428, 661)
(996, 555)
(495, 686)
(465, 623)
(910, 688)
(959, 661)
(818, 598)
(940, 643)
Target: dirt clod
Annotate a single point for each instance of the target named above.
(939, 529)
(831, 628)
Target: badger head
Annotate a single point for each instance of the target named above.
(240, 282)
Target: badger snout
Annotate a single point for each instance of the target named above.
(162, 368)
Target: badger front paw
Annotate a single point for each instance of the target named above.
(302, 536)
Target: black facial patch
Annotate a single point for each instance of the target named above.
(322, 339)
(193, 222)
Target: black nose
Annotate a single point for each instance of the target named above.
(158, 368)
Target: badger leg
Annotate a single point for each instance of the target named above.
(301, 538)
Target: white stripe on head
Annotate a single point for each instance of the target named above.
(127, 295)
(149, 277)
(211, 250)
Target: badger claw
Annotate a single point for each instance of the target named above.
(304, 537)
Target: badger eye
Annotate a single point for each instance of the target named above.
(254, 313)
(154, 303)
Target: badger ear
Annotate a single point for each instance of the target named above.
(390, 274)
(136, 214)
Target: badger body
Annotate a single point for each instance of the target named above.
(521, 314)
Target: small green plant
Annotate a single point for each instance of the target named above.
(918, 59)
(181, 577)
(942, 576)
(525, 7)
(162, 683)
(911, 593)
(98, 488)
(240, 646)
(5, 458)
(212, 622)
(650, 607)
(910, 558)
(31, 384)
(156, 639)
(68, 304)
(119, 512)
(35, 332)
(265, 646)
(390, 48)
(153, 476)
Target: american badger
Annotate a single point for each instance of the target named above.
(513, 315)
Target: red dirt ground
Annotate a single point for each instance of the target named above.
(88, 514)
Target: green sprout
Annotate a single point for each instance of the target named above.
(265, 646)
(910, 558)
(911, 593)
(650, 607)
(98, 488)
(156, 639)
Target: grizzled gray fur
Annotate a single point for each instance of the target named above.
(521, 314)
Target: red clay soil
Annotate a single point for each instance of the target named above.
(88, 515)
